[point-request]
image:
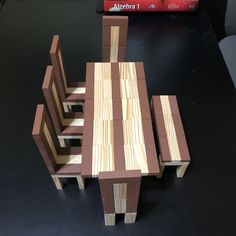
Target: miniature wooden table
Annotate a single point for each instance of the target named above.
(118, 142)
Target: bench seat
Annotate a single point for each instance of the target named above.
(170, 134)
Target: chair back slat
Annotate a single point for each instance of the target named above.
(58, 64)
(114, 38)
(41, 122)
(51, 94)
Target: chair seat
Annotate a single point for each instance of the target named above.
(70, 151)
(228, 49)
(74, 115)
(76, 84)
(75, 97)
(69, 169)
(72, 130)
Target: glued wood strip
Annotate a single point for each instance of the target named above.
(129, 88)
(114, 43)
(103, 131)
(131, 109)
(134, 146)
(103, 159)
(170, 129)
(102, 71)
(65, 122)
(60, 159)
(62, 70)
(127, 70)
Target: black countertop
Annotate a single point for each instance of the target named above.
(181, 57)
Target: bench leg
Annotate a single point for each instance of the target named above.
(180, 170)
(130, 218)
(80, 181)
(162, 168)
(58, 182)
(110, 219)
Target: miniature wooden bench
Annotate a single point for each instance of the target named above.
(170, 134)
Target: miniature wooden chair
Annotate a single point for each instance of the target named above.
(114, 38)
(68, 125)
(170, 134)
(61, 162)
(72, 93)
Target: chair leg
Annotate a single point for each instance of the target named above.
(80, 181)
(62, 142)
(66, 108)
(58, 182)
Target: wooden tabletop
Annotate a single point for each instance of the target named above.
(118, 133)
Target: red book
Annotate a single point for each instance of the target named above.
(150, 5)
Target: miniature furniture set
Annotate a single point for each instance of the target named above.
(115, 127)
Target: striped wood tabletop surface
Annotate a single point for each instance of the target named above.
(118, 132)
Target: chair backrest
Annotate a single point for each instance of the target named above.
(45, 138)
(114, 38)
(51, 94)
(230, 18)
(58, 160)
(58, 64)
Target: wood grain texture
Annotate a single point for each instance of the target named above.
(114, 43)
(120, 194)
(103, 134)
(170, 129)
(60, 159)
(118, 141)
(68, 90)
(127, 70)
(109, 219)
(103, 159)
(65, 122)
(130, 218)
(129, 88)
(134, 145)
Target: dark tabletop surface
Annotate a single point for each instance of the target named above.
(181, 57)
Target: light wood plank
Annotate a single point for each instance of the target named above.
(109, 219)
(130, 218)
(103, 132)
(120, 195)
(102, 89)
(127, 70)
(60, 159)
(131, 109)
(114, 46)
(103, 159)
(62, 70)
(136, 158)
(102, 71)
(129, 88)
(103, 140)
(133, 132)
(65, 122)
(170, 129)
